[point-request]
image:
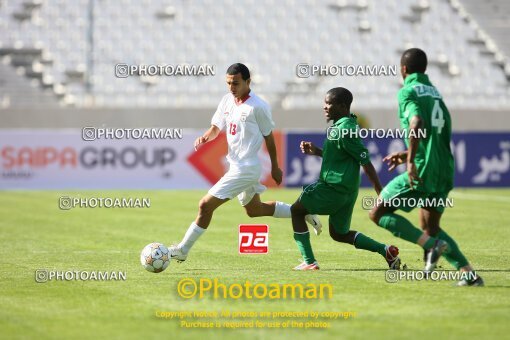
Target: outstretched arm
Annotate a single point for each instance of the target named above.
(308, 148)
(276, 172)
(208, 136)
(415, 124)
(395, 159)
(372, 176)
(408, 102)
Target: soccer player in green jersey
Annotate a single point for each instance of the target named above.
(336, 190)
(430, 170)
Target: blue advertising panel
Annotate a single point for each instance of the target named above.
(481, 159)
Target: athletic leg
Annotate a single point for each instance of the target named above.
(431, 219)
(399, 226)
(257, 208)
(206, 207)
(361, 241)
(302, 236)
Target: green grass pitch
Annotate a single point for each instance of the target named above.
(35, 234)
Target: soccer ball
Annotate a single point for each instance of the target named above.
(155, 257)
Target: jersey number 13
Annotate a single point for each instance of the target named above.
(232, 129)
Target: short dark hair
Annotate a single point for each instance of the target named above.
(340, 95)
(415, 60)
(239, 68)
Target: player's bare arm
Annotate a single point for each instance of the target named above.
(308, 148)
(414, 125)
(276, 172)
(372, 176)
(395, 159)
(208, 136)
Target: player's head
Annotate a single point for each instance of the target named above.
(238, 80)
(413, 60)
(337, 103)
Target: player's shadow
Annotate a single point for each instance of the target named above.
(202, 271)
(383, 270)
(353, 270)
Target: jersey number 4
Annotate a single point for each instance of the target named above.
(232, 129)
(437, 117)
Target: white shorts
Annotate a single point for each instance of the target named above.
(241, 182)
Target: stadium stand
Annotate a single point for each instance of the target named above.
(69, 49)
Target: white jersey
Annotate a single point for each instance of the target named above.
(246, 125)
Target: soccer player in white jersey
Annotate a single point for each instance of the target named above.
(248, 122)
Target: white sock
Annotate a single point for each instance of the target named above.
(282, 210)
(193, 233)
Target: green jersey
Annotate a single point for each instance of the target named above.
(434, 160)
(342, 154)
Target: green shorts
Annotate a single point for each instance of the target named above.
(399, 195)
(320, 198)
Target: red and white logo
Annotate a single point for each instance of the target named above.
(253, 238)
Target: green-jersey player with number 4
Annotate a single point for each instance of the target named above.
(430, 170)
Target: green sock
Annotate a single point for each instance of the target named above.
(401, 227)
(305, 248)
(454, 255)
(364, 242)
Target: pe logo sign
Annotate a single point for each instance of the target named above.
(253, 239)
